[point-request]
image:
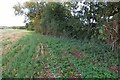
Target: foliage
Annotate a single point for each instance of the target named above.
(32, 12)
(54, 18)
(37, 55)
(88, 21)
(64, 19)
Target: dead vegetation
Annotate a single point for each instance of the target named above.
(9, 37)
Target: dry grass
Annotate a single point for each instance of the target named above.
(10, 36)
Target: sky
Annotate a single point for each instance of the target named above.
(7, 16)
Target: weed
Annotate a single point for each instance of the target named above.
(37, 55)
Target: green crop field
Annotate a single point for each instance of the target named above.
(36, 55)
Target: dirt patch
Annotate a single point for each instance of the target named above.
(76, 53)
(115, 68)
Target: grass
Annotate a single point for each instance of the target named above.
(37, 55)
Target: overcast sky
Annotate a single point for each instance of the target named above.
(7, 17)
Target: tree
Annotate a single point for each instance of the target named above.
(70, 19)
(32, 12)
(54, 18)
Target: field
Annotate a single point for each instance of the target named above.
(28, 54)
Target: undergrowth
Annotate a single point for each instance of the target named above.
(37, 55)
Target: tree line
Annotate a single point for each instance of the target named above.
(79, 20)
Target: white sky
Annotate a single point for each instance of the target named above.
(7, 17)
